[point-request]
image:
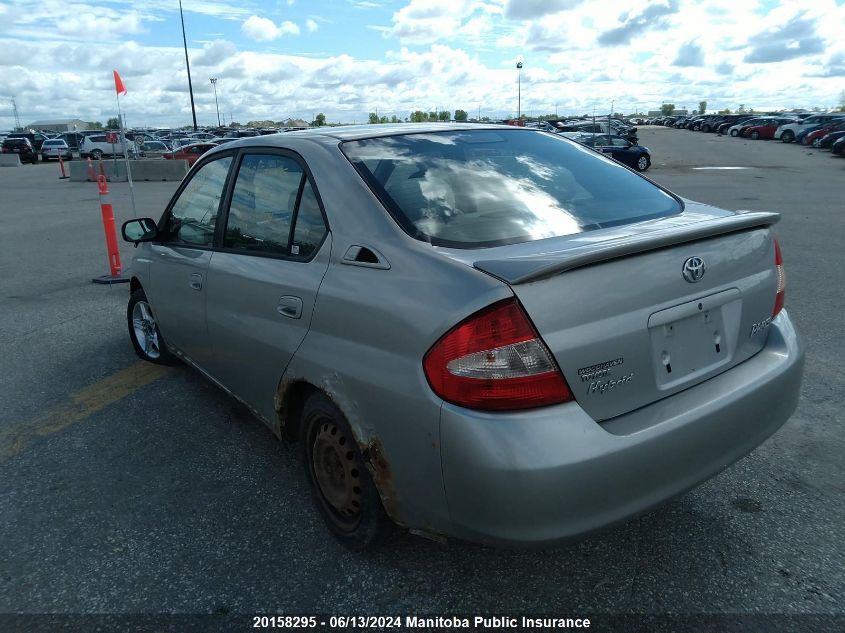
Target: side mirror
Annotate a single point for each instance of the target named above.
(139, 230)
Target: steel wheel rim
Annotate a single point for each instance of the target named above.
(337, 475)
(146, 332)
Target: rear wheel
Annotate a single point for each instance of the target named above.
(788, 136)
(734, 132)
(96, 154)
(340, 482)
(705, 128)
(817, 142)
(144, 333)
(755, 135)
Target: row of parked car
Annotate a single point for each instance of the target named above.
(96, 144)
(820, 130)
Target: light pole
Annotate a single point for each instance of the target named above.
(188, 66)
(518, 90)
(213, 81)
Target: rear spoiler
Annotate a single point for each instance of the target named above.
(520, 270)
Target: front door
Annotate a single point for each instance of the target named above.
(179, 261)
(263, 282)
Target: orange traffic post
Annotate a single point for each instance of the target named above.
(102, 170)
(116, 272)
(62, 169)
(91, 175)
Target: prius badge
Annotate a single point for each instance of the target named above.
(693, 269)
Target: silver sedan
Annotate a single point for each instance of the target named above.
(481, 332)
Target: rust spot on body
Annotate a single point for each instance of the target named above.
(379, 467)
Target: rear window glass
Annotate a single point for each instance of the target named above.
(478, 188)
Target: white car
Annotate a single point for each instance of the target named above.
(96, 146)
(55, 148)
(789, 131)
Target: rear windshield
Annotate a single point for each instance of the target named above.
(479, 188)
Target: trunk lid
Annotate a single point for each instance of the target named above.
(623, 323)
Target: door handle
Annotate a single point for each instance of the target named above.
(290, 307)
(196, 281)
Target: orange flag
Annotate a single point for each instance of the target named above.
(119, 88)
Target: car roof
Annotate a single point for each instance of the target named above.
(358, 132)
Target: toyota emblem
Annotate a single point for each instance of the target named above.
(694, 269)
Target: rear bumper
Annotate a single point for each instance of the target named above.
(552, 474)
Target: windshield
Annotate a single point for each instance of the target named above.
(478, 188)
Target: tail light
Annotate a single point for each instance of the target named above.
(779, 297)
(495, 360)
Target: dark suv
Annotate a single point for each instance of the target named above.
(22, 147)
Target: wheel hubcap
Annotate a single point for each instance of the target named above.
(337, 474)
(144, 326)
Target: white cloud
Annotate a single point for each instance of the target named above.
(311, 25)
(264, 30)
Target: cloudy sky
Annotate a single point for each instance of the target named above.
(276, 59)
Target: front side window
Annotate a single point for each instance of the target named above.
(477, 188)
(263, 202)
(192, 218)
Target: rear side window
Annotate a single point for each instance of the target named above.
(310, 228)
(263, 202)
(478, 188)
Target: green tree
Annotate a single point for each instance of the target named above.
(113, 123)
(432, 116)
(373, 117)
(842, 101)
(460, 115)
(94, 125)
(444, 115)
(741, 109)
(394, 119)
(418, 116)
(702, 107)
(319, 120)
(667, 108)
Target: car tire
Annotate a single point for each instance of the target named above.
(755, 135)
(817, 143)
(734, 132)
(705, 128)
(340, 481)
(643, 163)
(788, 136)
(96, 154)
(144, 333)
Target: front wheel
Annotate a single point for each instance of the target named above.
(643, 163)
(734, 132)
(144, 333)
(340, 482)
(788, 136)
(817, 143)
(755, 135)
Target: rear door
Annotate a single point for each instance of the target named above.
(263, 282)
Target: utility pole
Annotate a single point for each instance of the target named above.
(214, 84)
(17, 118)
(188, 66)
(519, 90)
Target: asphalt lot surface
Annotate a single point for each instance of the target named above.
(127, 488)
